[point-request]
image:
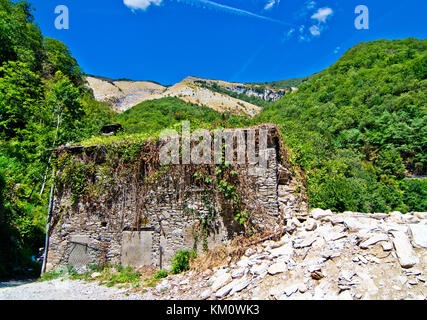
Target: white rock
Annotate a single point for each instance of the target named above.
(419, 235)
(206, 294)
(347, 274)
(310, 224)
(221, 293)
(409, 218)
(333, 236)
(395, 216)
(356, 224)
(238, 273)
(345, 295)
(373, 240)
(260, 269)
(285, 250)
(291, 289)
(244, 262)
(277, 268)
(221, 281)
(421, 215)
(320, 213)
(405, 252)
(387, 246)
(304, 242)
(240, 284)
(295, 222)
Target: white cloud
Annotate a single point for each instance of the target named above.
(310, 5)
(337, 49)
(141, 4)
(271, 4)
(322, 14)
(288, 35)
(315, 31)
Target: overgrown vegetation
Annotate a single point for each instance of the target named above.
(181, 261)
(43, 104)
(359, 127)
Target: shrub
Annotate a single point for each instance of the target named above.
(181, 261)
(160, 274)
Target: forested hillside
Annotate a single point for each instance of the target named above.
(43, 104)
(359, 128)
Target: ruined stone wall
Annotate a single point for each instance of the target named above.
(116, 233)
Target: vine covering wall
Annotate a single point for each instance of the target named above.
(103, 191)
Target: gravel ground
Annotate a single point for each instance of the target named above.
(63, 289)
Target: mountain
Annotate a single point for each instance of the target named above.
(221, 96)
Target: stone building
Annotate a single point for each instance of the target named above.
(131, 213)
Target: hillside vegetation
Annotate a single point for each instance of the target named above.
(43, 104)
(359, 128)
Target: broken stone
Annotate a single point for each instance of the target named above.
(395, 216)
(373, 240)
(224, 291)
(347, 274)
(314, 268)
(291, 290)
(413, 282)
(409, 219)
(240, 284)
(221, 281)
(419, 235)
(260, 269)
(302, 288)
(421, 215)
(238, 273)
(304, 242)
(333, 236)
(277, 268)
(285, 250)
(387, 246)
(320, 213)
(404, 250)
(310, 224)
(206, 294)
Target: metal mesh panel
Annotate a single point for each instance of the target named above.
(81, 255)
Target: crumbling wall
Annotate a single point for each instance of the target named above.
(176, 207)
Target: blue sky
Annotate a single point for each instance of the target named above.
(232, 40)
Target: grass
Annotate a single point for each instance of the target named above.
(109, 276)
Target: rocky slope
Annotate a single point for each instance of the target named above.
(328, 256)
(123, 95)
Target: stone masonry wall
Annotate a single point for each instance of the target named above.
(79, 237)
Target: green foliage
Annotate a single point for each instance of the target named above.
(415, 194)
(358, 127)
(181, 261)
(43, 104)
(124, 275)
(284, 84)
(160, 274)
(151, 117)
